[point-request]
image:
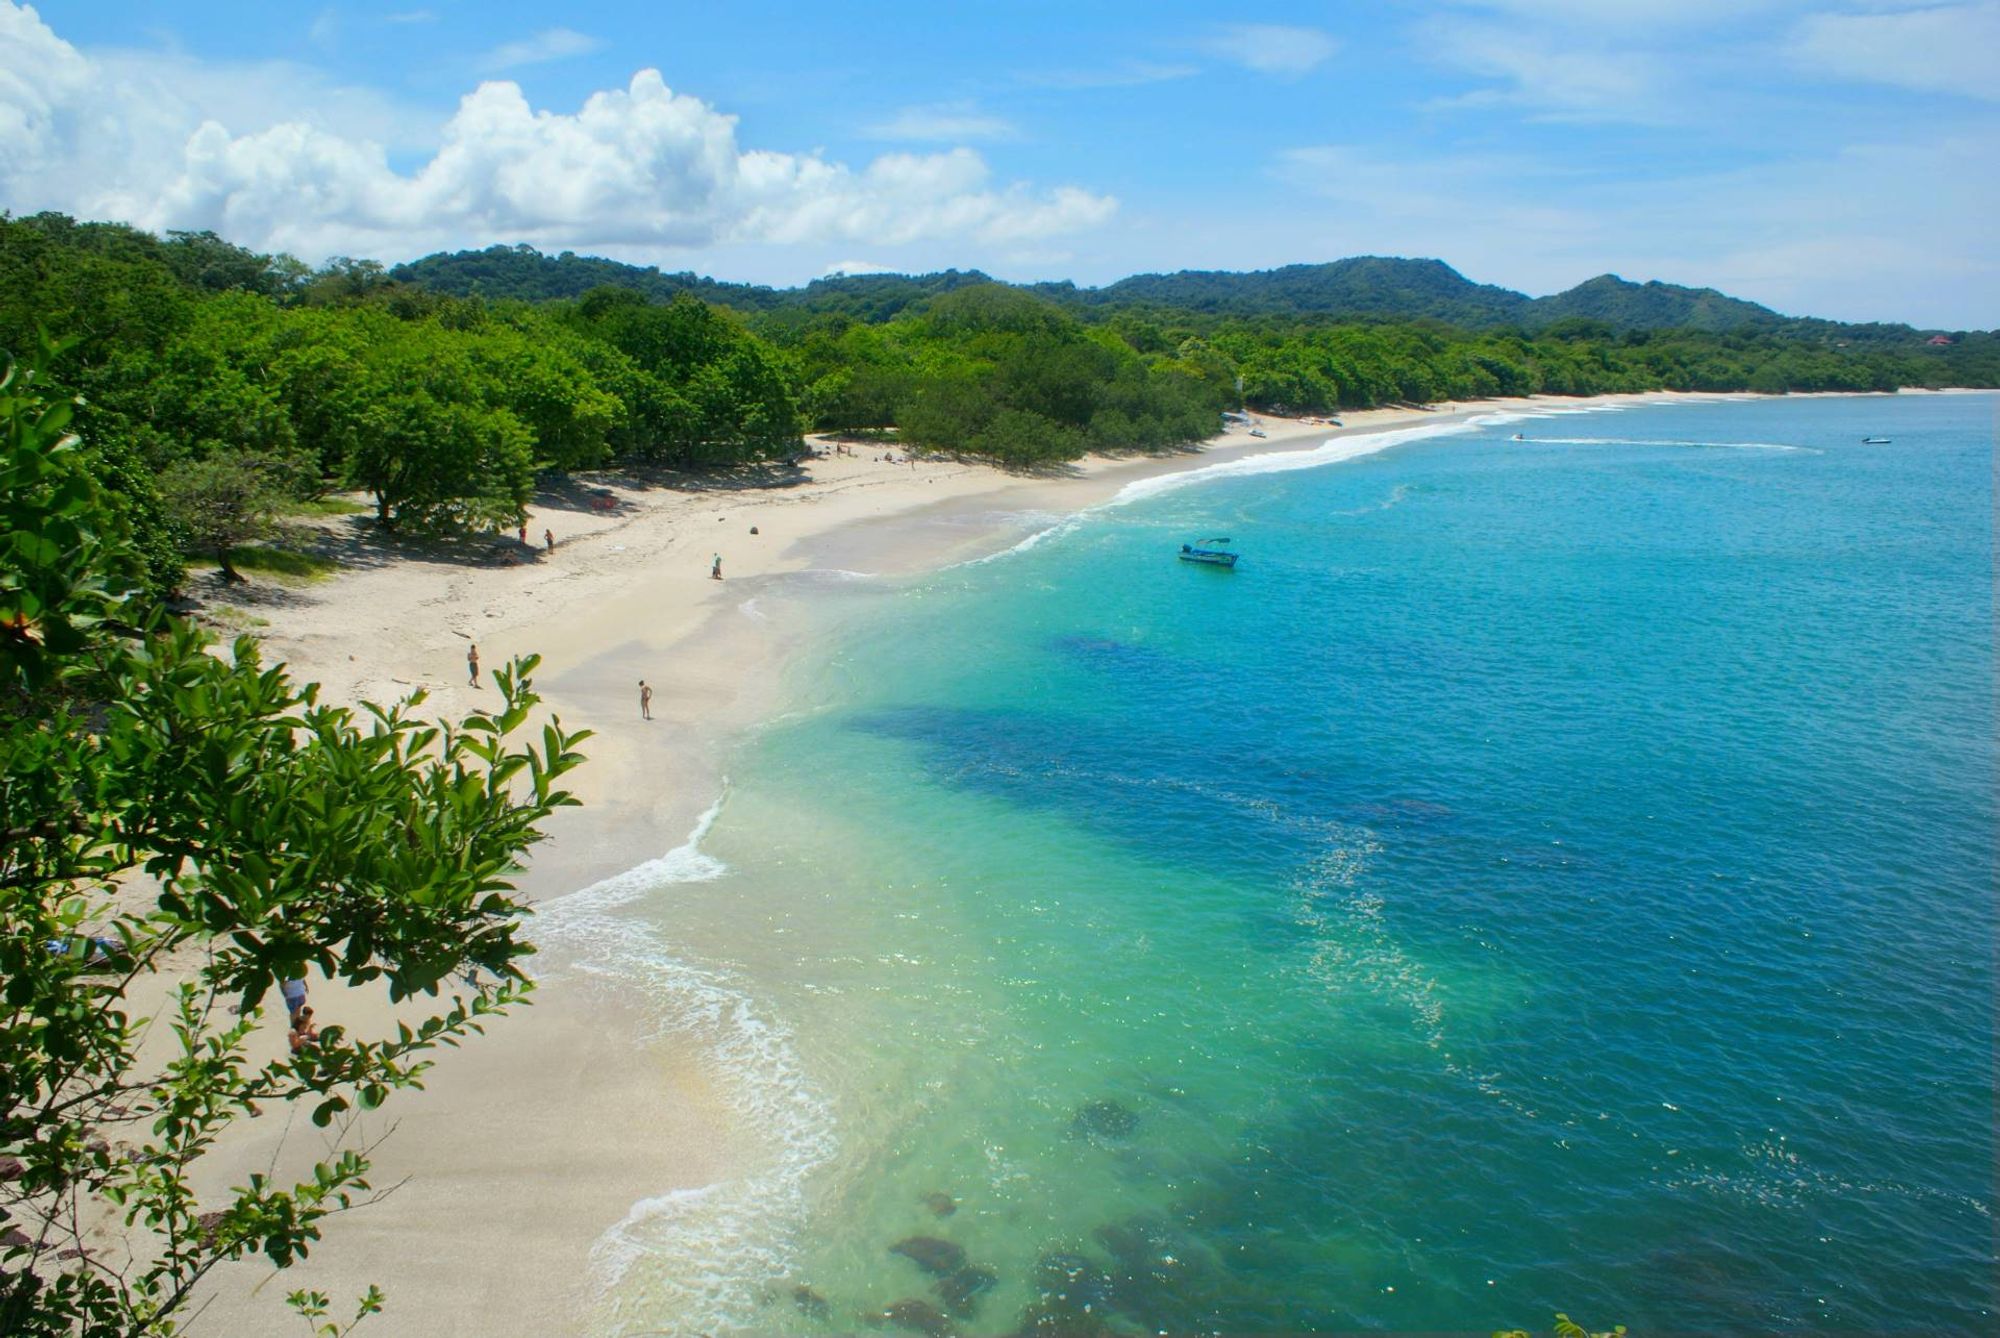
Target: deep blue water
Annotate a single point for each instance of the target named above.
(1552, 874)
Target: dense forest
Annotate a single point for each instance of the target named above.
(1361, 288)
(220, 387)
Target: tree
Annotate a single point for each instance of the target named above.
(194, 826)
(432, 444)
(225, 501)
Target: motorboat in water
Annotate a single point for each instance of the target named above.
(1876, 441)
(1209, 553)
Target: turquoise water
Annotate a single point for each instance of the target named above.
(1544, 875)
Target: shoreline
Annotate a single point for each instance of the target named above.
(574, 1110)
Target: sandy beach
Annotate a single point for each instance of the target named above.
(536, 1139)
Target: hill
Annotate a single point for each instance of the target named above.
(523, 273)
(1361, 288)
(1649, 306)
(1381, 287)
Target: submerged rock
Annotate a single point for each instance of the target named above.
(917, 1315)
(1103, 1119)
(1135, 1243)
(1163, 1279)
(931, 1254)
(1072, 1278)
(940, 1203)
(961, 1290)
(810, 1303)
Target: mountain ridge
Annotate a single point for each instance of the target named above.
(1357, 287)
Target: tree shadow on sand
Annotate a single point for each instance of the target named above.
(359, 543)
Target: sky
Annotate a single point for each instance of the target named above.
(1838, 160)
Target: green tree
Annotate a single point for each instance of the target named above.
(159, 799)
(432, 447)
(225, 501)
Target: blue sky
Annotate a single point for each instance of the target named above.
(1827, 159)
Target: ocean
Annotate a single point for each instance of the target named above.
(1545, 874)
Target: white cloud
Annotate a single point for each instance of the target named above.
(545, 46)
(1273, 48)
(1557, 79)
(1944, 49)
(325, 30)
(850, 267)
(1113, 74)
(635, 167)
(949, 122)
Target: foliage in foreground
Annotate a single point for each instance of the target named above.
(185, 830)
(1565, 1327)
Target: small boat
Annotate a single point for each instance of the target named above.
(1257, 432)
(1875, 441)
(1208, 552)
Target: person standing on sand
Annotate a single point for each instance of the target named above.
(472, 664)
(715, 569)
(645, 701)
(549, 539)
(524, 531)
(295, 998)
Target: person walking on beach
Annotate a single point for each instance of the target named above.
(524, 531)
(715, 568)
(549, 539)
(295, 998)
(472, 664)
(645, 701)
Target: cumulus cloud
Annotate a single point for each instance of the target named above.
(944, 121)
(639, 167)
(545, 46)
(1945, 49)
(1273, 48)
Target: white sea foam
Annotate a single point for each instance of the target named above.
(685, 863)
(1334, 450)
(693, 1260)
(1052, 524)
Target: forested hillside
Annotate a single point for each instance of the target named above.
(1377, 287)
(220, 387)
(1366, 288)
